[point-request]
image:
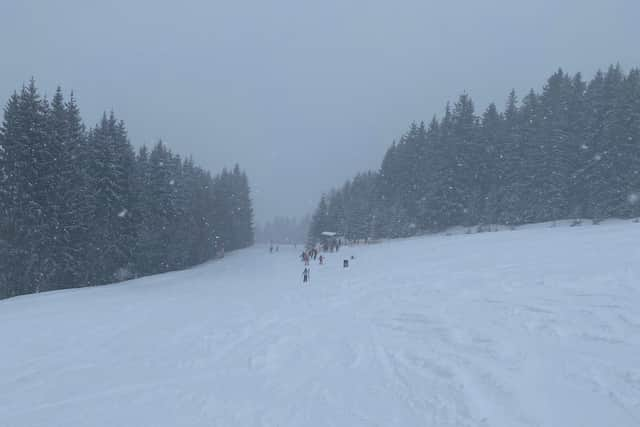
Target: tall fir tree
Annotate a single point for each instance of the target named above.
(112, 233)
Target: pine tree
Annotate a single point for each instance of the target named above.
(467, 157)
(112, 233)
(508, 166)
(144, 215)
(602, 131)
(428, 178)
(630, 114)
(70, 195)
(11, 240)
(319, 222)
(577, 151)
(241, 213)
(28, 171)
(491, 139)
(530, 162)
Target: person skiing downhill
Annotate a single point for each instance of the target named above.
(305, 275)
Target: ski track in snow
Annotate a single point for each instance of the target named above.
(534, 327)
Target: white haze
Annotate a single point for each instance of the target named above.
(301, 94)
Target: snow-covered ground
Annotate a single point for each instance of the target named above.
(534, 327)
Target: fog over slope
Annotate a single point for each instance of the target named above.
(301, 94)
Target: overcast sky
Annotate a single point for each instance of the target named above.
(302, 94)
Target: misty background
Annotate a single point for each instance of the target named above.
(301, 94)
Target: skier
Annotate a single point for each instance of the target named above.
(305, 275)
(321, 259)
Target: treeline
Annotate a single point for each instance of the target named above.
(571, 151)
(283, 230)
(79, 207)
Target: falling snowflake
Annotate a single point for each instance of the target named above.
(584, 146)
(172, 182)
(633, 198)
(123, 213)
(597, 157)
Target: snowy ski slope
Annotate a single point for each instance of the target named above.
(534, 327)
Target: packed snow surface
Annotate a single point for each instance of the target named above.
(534, 327)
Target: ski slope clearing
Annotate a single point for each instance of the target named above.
(534, 327)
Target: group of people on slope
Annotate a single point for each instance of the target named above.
(332, 245)
(311, 254)
(314, 254)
